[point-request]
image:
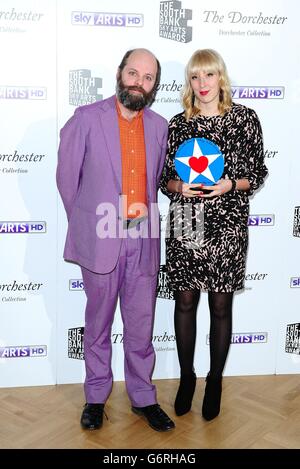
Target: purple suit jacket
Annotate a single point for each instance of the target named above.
(89, 173)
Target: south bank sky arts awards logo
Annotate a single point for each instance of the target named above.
(296, 225)
(292, 339)
(83, 87)
(75, 343)
(162, 289)
(173, 21)
(199, 160)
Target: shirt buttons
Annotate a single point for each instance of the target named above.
(132, 171)
(132, 191)
(132, 151)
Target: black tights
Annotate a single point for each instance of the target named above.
(220, 306)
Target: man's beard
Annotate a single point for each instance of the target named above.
(134, 102)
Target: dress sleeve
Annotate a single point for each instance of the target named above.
(256, 168)
(169, 171)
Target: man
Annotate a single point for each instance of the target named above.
(111, 151)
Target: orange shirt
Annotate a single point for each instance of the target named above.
(134, 180)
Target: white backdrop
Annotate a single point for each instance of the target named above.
(58, 55)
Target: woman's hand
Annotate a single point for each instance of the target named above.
(220, 188)
(191, 190)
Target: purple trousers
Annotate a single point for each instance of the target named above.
(137, 295)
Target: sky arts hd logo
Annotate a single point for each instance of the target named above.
(19, 227)
(257, 92)
(22, 351)
(23, 92)
(261, 220)
(76, 284)
(173, 22)
(295, 282)
(292, 340)
(88, 18)
(247, 338)
(83, 88)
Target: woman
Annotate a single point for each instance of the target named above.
(217, 264)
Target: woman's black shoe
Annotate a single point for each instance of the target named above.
(185, 393)
(212, 397)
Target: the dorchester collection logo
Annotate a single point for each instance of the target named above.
(162, 342)
(173, 21)
(14, 15)
(239, 17)
(10, 162)
(270, 153)
(249, 25)
(251, 277)
(83, 88)
(14, 21)
(169, 92)
(14, 291)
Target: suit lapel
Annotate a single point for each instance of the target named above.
(149, 133)
(109, 122)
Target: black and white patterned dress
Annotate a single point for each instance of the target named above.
(218, 263)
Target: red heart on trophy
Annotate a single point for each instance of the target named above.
(198, 164)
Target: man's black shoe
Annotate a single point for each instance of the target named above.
(92, 416)
(156, 417)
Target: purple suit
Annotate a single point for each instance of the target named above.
(89, 173)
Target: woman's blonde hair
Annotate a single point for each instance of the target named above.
(206, 60)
